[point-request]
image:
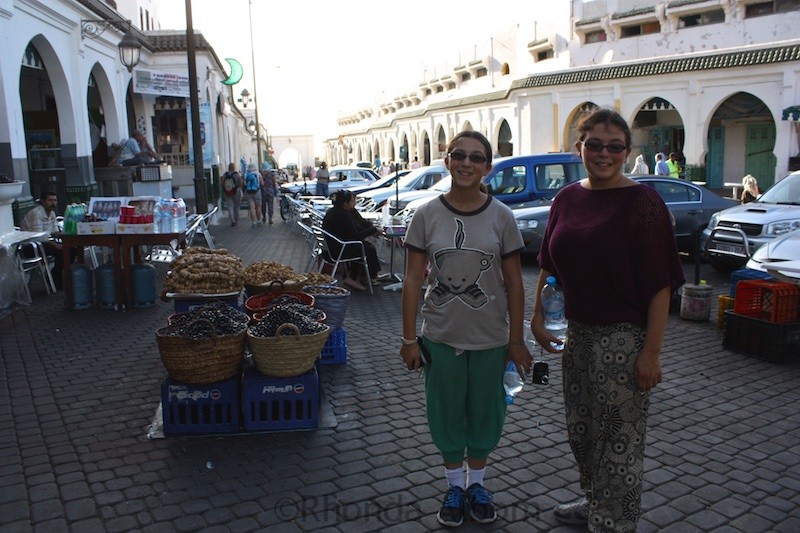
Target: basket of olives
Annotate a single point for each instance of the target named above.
(203, 348)
(260, 303)
(286, 341)
(332, 300)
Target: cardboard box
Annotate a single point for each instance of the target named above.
(135, 228)
(97, 228)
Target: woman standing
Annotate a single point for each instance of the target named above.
(474, 287)
(640, 167)
(617, 310)
(750, 189)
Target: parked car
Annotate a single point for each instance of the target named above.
(780, 250)
(690, 207)
(526, 179)
(385, 181)
(406, 198)
(733, 235)
(341, 177)
(417, 179)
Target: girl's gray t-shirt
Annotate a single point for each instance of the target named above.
(465, 305)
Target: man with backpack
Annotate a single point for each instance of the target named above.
(269, 190)
(252, 191)
(232, 190)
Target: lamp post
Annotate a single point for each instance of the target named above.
(201, 198)
(255, 91)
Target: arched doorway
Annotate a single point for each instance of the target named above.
(441, 143)
(741, 141)
(504, 145)
(657, 127)
(426, 149)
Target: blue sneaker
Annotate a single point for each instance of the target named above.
(452, 512)
(480, 504)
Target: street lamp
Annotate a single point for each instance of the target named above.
(129, 46)
(245, 99)
(251, 125)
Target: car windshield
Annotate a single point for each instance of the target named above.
(411, 177)
(786, 191)
(443, 185)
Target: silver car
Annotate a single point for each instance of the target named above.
(733, 235)
(341, 177)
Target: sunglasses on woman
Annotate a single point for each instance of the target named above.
(460, 156)
(593, 145)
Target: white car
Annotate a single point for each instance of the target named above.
(733, 235)
(783, 250)
(417, 179)
(341, 177)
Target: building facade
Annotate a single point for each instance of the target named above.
(713, 80)
(66, 100)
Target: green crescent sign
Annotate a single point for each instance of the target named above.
(236, 71)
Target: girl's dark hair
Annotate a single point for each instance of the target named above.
(341, 197)
(602, 115)
(471, 134)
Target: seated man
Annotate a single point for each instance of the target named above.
(43, 218)
(136, 151)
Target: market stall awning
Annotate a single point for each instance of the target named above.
(792, 113)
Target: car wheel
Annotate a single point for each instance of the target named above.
(726, 264)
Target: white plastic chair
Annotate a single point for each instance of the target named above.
(323, 239)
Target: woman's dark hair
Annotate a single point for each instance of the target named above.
(342, 197)
(471, 134)
(602, 115)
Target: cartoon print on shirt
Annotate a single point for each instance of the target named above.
(459, 271)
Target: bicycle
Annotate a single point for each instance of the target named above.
(285, 206)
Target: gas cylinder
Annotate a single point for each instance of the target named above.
(143, 283)
(105, 286)
(81, 287)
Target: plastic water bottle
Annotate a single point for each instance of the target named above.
(553, 307)
(157, 217)
(174, 217)
(512, 382)
(181, 215)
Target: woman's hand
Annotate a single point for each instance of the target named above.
(543, 336)
(647, 370)
(410, 355)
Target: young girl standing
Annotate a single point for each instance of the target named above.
(472, 321)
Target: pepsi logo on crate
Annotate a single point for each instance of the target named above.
(279, 404)
(200, 409)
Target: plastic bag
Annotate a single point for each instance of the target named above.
(12, 281)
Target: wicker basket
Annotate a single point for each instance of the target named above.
(333, 305)
(260, 303)
(200, 361)
(275, 285)
(286, 356)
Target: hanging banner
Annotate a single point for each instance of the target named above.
(160, 83)
(205, 133)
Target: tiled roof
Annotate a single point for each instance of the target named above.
(742, 58)
(175, 41)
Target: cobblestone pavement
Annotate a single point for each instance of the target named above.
(78, 391)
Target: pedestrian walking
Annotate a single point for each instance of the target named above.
(252, 190)
(616, 319)
(323, 178)
(471, 322)
(640, 167)
(232, 189)
(269, 190)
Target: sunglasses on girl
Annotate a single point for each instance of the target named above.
(593, 145)
(460, 156)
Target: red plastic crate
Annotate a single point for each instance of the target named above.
(767, 300)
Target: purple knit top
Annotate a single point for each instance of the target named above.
(612, 250)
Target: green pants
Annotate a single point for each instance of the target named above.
(465, 400)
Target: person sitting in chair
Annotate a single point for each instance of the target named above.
(343, 222)
(137, 151)
(42, 218)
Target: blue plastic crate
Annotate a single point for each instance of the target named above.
(335, 350)
(275, 404)
(193, 409)
(746, 274)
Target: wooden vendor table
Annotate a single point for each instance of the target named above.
(78, 242)
(123, 246)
